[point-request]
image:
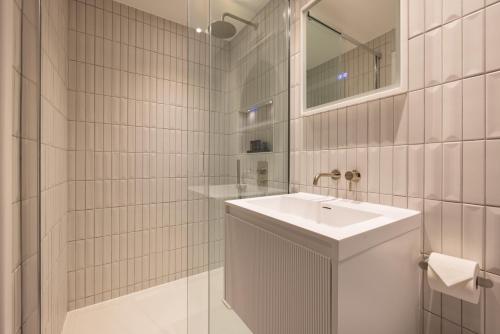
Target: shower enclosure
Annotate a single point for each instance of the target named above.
(147, 125)
(245, 149)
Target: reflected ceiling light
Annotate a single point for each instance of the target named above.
(199, 30)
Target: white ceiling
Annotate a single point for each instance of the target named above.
(177, 10)
(362, 19)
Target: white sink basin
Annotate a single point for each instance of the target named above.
(301, 205)
(352, 225)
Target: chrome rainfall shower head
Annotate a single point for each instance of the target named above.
(223, 29)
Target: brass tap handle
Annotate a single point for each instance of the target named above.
(352, 176)
(336, 175)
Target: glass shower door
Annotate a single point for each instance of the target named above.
(248, 126)
(238, 136)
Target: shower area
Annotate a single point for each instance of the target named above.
(147, 116)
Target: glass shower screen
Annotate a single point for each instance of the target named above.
(238, 135)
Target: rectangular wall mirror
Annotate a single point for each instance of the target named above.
(353, 51)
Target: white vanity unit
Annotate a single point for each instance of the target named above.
(303, 263)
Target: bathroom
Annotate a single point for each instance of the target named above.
(250, 166)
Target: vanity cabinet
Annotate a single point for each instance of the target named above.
(283, 278)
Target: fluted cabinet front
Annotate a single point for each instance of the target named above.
(274, 285)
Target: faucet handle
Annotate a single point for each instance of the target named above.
(352, 176)
(336, 175)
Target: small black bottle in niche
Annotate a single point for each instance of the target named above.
(255, 145)
(265, 146)
(258, 145)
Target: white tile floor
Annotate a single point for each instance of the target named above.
(161, 310)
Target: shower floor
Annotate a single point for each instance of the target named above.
(161, 309)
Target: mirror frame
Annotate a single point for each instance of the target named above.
(394, 89)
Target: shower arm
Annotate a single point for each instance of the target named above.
(239, 19)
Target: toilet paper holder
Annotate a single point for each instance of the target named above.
(480, 281)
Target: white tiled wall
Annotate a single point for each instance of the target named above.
(138, 130)
(258, 64)
(435, 149)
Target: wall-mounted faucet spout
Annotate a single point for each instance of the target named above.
(334, 174)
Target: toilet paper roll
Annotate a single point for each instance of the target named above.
(453, 276)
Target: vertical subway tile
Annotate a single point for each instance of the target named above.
(433, 171)
(387, 121)
(449, 327)
(433, 56)
(324, 131)
(433, 13)
(432, 226)
(416, 66)
(452, 309)
(374, 123)
(473, 169)
(473, 314)
(492, 255)
(362, 125)
(432, 322)
(452, 111)
(493, 105)
(452, 49)
(416, 117)
(332, 125)
(492, 305)
(473, 32)
(474, 108)
(452, 9)
(452, 172)
(400, 168)
(452, 229)
(351, 126)
(470, 6)
(416, 13)
(416, 170)
(492, 172)
(492, 45)
(362, 167)
(473, 233)
(342, 128)
(401, 119)
(386, 170)
(316, 133)
(373, 169)
(433, 114)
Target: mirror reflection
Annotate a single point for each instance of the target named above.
(352, 48)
